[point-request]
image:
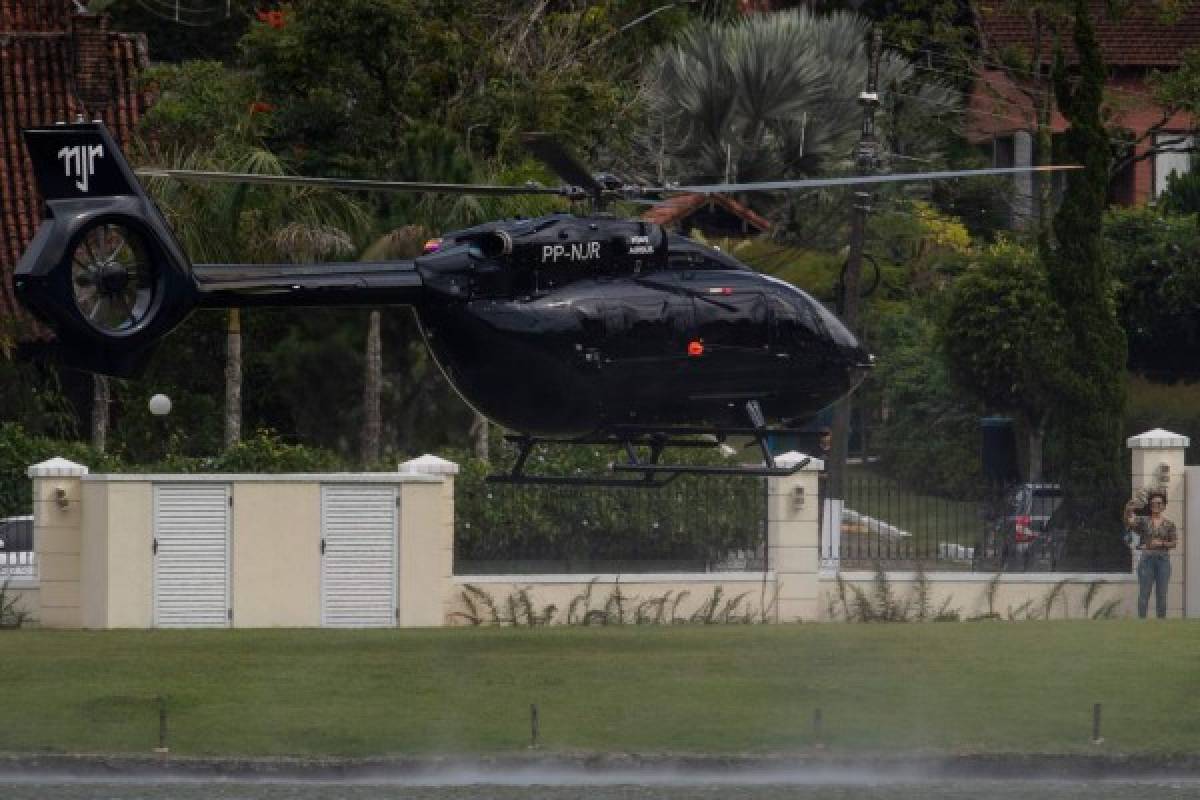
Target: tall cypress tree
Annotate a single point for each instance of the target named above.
(1091, 391)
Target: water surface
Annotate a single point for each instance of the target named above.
(847, 787)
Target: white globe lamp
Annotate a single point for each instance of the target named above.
(160, 405)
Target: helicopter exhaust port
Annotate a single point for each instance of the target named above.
(493, 244)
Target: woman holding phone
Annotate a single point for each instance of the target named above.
(1155, 536)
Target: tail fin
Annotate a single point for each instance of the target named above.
(77, 162)
(104, 270)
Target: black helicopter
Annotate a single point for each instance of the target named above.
(564, 328)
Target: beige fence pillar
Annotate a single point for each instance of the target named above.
(793, 536)
(1158, 462)
(58, 540)
(426, 544)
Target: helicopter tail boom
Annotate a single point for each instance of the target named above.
(107, 274)
(332, 284)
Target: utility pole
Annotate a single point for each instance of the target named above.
(866, 157)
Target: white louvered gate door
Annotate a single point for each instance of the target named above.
(191, 555)
(358, 556)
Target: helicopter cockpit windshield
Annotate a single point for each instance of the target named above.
(833, 326)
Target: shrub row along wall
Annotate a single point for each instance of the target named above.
(615, 600)
(914, 597)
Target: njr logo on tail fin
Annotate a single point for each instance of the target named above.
(80, 161)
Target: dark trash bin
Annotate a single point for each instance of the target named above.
(999, 450)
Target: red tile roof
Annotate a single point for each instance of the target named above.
(34, 15)
(675, 209)
(1141, 37)
(54, 65)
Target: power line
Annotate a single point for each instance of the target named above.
(181, 13)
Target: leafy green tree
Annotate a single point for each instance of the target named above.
(348, 78)
(1002, 334)
(1152, 256)
(1090, 385)
(941, 34)
(198, 105)
(1182, 195)
(930, 440)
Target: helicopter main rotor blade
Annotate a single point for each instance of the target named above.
(347, 183)
(550, 151)
(854, 180)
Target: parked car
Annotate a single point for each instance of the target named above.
(1018, 539)
(16, 534)
(1029, 509)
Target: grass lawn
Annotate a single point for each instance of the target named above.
(953, 687)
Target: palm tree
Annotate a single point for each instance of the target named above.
(772, 95)
(402, 243)
(247, 224)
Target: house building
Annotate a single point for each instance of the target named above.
(714, 215)
(57, 63)
(1002, 113)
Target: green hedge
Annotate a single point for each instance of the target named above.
(693, 518)
(20, 450)
(264, 452)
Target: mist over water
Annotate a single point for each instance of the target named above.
(532, 784)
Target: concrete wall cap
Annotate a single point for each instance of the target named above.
(792, 458)
(57, 467)
(430, 465)
(1157, 439)
(260, 477)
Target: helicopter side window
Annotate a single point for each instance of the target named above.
(687, 260)
(653, 325)
(733, 321)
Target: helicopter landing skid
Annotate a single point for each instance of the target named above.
(648, 472)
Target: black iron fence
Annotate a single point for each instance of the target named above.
(995, 528)
(693, 525)
(16, 534)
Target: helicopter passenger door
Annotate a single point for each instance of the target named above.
(734, 331)
(732, 323)
(645, 338)
(652, 326)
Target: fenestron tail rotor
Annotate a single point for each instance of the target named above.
(113, 277)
